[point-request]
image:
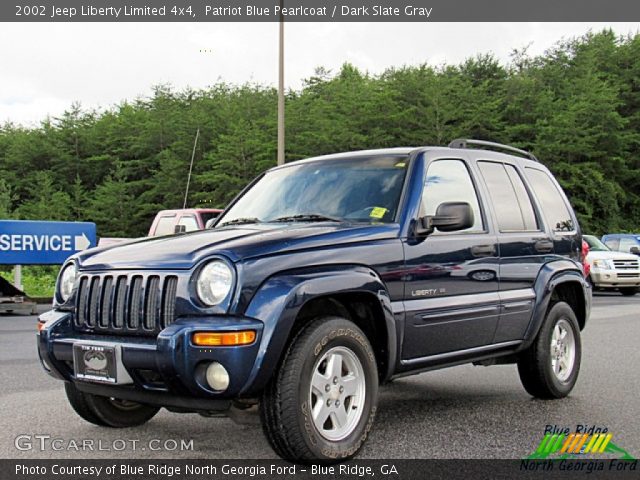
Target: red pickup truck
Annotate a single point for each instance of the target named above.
(168, 222)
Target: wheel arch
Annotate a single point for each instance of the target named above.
(561, 280)
(287, 302)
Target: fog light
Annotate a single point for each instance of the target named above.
(217, 377)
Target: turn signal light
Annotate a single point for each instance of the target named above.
(223, 339)
(40, 326)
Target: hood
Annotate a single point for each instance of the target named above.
(237, 243)
(610, 255)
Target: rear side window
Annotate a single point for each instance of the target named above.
(190, 223)
(450, 181)
(554, 208)
(509, 196)
(206, 216)
(166, 226)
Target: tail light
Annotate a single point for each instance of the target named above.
(586, 268)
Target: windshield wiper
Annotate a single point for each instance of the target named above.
(241, 221)
(308, 217)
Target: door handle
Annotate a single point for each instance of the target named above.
(483, 250)
(544, 246)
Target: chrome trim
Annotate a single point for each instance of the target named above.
(420, 304)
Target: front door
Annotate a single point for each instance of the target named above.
(451, 279)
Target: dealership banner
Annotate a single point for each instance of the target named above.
(118, 469)
(318, 10)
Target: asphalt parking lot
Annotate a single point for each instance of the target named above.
(462, 412)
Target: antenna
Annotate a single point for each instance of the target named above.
(193, 154)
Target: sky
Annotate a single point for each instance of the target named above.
(44, 68)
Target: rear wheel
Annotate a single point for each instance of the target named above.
(107, 411)
(321, 403)
(549, 368)
(628, 291)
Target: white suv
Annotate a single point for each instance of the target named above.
(611, 269)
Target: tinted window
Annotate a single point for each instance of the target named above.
(166, 226)
(206, 216)
(449, 181)
(553, 205)
(189, 222)
(510, 199)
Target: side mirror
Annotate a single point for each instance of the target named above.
(449, 217)
(180, 229)
(635, 250)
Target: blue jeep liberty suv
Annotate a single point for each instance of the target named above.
(323, 279)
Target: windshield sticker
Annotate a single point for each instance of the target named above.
(400, 165)
(378, 212)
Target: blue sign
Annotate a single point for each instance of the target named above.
(26, 242)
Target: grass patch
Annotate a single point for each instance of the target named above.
(37, 280)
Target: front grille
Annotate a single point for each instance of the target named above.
(628, 275)
(626, 264)
(134, 304)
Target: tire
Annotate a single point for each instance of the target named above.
(536, 366)
(108, 412)
(628, 291)
(309, 378)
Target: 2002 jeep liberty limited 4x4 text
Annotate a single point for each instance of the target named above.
(323, 279)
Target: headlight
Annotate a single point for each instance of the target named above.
(214, 282)
(605, 264)
(67, 280)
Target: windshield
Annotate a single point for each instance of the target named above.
(362, 189)
(595, 245)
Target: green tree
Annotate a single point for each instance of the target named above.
(46, 202)
(6, 199)
(112, 208)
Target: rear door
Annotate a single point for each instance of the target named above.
(524, 245)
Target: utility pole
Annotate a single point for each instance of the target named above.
(193, 154)
(281, 89)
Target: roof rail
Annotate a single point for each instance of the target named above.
(465, 142)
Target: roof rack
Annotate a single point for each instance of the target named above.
(465, 142)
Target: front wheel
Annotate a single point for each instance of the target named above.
(106, 411)
(321, 403)
(628, 291)
(549, 368)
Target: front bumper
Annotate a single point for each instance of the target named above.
(167, 370)
(614, 278)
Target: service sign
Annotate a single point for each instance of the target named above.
(25, 242)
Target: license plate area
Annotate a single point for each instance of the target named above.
(99, 363)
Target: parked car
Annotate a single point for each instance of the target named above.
(611, 269)
(168, 222)
(323, 279)
(623, 242)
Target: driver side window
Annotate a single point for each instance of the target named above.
(449, 181)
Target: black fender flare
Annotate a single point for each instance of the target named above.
(281, 297)
(552, 275)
